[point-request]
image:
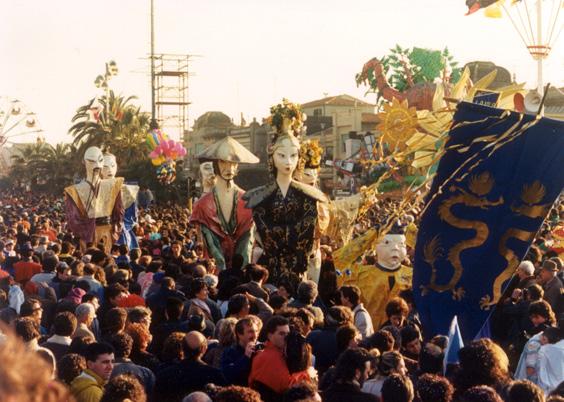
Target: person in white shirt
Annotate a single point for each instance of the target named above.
(350, 297)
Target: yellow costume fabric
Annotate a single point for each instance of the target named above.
(411, 235)
(343, 214)
(377, 284)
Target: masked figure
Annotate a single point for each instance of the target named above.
(128, 197)
(288, 215)
(225, 224)
(379, 282)
(94, 207)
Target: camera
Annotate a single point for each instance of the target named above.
(259, 346)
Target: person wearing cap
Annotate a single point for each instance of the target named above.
(94, 208)
(8, 250)
(224, 222)
(381, 281)
(550, 282)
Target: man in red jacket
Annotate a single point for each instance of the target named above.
(269, 367)
(26, 268)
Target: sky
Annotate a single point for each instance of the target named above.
(249, 53)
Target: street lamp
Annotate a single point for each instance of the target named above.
(102, 81)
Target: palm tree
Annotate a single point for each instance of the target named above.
(116, 124)
(58, 165)
(42, 165)
(26, 163)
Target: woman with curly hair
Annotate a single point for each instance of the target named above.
(173, 350)
(482, 362)
(124, 387)
(480, 393)
(141, 340)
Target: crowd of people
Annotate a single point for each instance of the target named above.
(163, 323)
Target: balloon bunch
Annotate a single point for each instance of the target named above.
(164, 153)
(166, 173)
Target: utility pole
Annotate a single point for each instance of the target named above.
(154, 123)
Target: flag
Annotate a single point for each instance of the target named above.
(455, 343)
(485, 331)
(475, 5)
(495, 184)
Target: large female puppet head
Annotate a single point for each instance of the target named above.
(93, 162)
(284, 155)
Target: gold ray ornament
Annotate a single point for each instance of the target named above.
(398, 122)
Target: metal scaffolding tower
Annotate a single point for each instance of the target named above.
(171, 94)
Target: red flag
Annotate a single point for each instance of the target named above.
(475, 5)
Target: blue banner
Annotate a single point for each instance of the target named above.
(495, 184)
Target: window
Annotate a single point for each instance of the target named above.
(318, 112)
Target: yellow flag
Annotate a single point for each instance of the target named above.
(495, 10)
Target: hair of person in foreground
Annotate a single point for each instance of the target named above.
(25, 376)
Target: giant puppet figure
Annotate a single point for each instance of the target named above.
(288, 215)
(224, 222)
(342, 212)
(94, 208)
(383, 280)
(128, 198)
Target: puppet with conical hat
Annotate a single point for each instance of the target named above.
(381, 281)
(224, 222)
(288, 215)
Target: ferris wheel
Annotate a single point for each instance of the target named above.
(539, 24)
(17, 123)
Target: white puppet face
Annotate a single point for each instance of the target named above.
(391, 251)
(93, 161)
(208, 175)
(285, 157)
(307, 176)
(110, 167)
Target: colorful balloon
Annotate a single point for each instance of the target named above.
(163, 154)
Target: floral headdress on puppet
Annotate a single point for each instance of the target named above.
(287, 120)
(310, 155)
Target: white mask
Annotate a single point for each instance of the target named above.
(285, 157)
(109, 169)
(391, 251)
(208, 175)
(93, 161)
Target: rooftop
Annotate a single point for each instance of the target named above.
(339, 100)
